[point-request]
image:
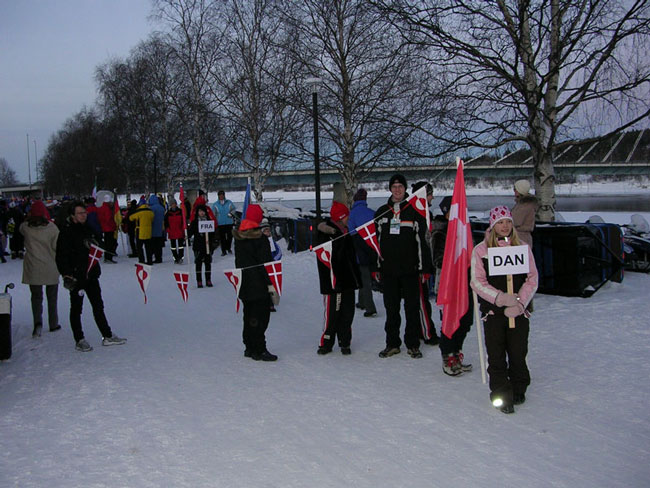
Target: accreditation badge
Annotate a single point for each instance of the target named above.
(395, 226)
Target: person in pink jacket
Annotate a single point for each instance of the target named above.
(506, 347)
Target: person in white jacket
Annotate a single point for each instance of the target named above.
(506, 347)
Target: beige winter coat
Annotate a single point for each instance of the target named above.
(523, 217)
(39, 265)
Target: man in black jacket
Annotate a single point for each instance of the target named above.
(72, 249)
(401, 232)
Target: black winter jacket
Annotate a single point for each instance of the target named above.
(252, 250)
(72, 248)
(343, 260)
(407, 252)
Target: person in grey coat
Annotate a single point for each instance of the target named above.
(39, 265)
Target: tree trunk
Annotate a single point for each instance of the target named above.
(545, 186)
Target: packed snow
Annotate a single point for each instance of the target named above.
(179, 405)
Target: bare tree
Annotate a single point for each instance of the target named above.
(529, 71)
(373, 93)
(255, 83)
(7, 174)
(193, 40)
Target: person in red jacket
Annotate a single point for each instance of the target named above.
(175, 231)
(106, 219)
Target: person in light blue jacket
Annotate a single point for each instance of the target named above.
(157, 227)
(224, 210)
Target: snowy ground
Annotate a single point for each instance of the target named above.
(180, 406)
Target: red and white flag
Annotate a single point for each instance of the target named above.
(183, 209)
(182, 280)
(454, 293)
(143, 273)
(94, 255)
(234, 277)
(368, 233)
(419, 202)
(274, 270)
(324, 255)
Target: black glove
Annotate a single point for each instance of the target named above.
(69, 282)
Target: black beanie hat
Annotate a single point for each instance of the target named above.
(420, 184)
(397, 178)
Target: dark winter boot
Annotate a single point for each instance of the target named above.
(199, 280)
(208, 279)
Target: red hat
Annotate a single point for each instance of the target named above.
(254, 216)
(38, 210)
(338, 211)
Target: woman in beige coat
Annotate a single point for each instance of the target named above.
(39, 265)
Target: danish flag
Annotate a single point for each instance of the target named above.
(94, 255)
(234, 277)
(143, 273)
(182, 280)
(274, 270)
(368, 233)
(419, 202)
(324, 255)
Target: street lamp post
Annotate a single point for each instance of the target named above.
(314, 82)
(155, 169)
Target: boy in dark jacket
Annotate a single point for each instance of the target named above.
(338, 300)
(72, 249)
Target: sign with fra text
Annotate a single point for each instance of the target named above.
(508, 260)
(206, 226)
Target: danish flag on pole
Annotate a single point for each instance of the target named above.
(454, 295)
(182, 205)
(274, 270)
(324, 255)
(419, 202)
(182, 280)
(368, 233)
(143, 272)
(94, 255)
(234, 277)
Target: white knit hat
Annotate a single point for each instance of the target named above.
(522, 187)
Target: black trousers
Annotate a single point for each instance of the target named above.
(111, 244)
(396, 288)
(178, 249)
(225, 237)
(339, 314)
(52, 293)
(507, 349)
(427, 327)
(201, 258)
(94, 293)
(455, 343)
(256, 320)
(157, 244)
(145, 246)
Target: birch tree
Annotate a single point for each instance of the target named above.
(536, 72)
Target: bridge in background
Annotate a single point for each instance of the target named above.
(621, 155)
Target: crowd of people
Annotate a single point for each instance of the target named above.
(407, 269)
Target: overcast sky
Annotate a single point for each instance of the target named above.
(48, 53)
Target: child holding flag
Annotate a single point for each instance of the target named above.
(506, 346)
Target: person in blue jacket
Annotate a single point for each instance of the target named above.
(157, 227)
(366, 257)
(224, 210)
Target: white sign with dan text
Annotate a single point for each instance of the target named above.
(509, 260)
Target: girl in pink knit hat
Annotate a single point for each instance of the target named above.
(506, 347)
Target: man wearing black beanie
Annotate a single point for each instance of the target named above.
(401, 232)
